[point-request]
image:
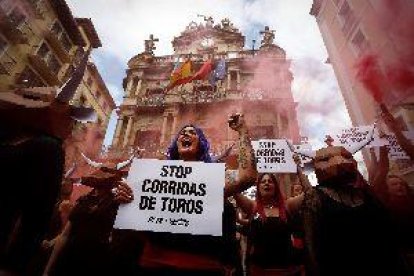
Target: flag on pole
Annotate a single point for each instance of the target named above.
(219, 73)
(180, 75)
(204, 71)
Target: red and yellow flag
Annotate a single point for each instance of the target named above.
(181, 75)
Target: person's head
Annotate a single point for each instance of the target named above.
(190, 144)
(397, 187)
(296, 189)
(335, 166)
(268, 192)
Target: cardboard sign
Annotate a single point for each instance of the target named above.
(174, 196)
(350, 137)
(395, 152)
(273, 156)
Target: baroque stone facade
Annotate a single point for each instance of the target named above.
(257, 83)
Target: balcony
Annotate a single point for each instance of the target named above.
(7, 64)
(58, 47)
(44, 69)
(15, 33)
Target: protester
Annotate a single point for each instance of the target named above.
(185, 254)
(83, 247)
(346, 229)
(32, 161)
(394, 192)
(270, 250)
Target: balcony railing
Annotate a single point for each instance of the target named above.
(46, 68)
(15, 33)
(60, 49)
(7, 64)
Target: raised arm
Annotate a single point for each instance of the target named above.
(304, 181)
(60, 243)
(247, 164)
(246, 204)
(380, 172)
(392, 124)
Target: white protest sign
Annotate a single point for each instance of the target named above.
(395, 151)
(303, 148)
(350, 137)
(273, 156)
(174, 196)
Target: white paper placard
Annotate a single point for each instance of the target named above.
(273, 156)
(350, 137)
(303, 148)
(174, 196)
(395, 152)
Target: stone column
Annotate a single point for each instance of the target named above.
(129, 87)
(118, 130)
(238, 79)
(127, 132)
(164, 128)
(174, 126)
(139, 85)
(279, 124)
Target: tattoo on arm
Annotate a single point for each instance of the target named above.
(246, 154)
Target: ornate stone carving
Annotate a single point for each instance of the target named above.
(268, 36)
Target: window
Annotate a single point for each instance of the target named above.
(347, 17)
(60, 33)
(89, 81)
(17, 17)
(359, 41)
(28, 78)
(49, 58)
(3, 45)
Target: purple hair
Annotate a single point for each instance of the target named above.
(203, 148)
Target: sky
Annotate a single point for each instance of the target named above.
(123, 25)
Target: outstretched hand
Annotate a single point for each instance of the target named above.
(236, 122)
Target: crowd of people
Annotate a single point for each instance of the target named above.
(343, 226)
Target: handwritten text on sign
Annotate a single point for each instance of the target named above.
(174, 196)
(273, 155)
(353, 136)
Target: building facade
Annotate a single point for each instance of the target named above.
(257, 83)
(352, 30)
(41, 43)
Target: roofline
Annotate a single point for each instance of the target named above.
(89, 28)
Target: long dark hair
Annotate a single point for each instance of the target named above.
(278, 197)
(203, 146)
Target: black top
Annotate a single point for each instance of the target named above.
(353, 240)
(223, 248)
(271, 241)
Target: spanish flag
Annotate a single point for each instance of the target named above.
(180, 75)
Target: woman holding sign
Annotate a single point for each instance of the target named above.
(185, 254)
(271, 242)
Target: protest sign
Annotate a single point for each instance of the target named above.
(303, 148)
(273, 156)
(351, 137)
(395, 152)
(174, 196)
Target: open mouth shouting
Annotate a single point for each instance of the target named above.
(188, 142)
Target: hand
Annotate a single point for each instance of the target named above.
(296, 158)
(123, 193)
(236, 122)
